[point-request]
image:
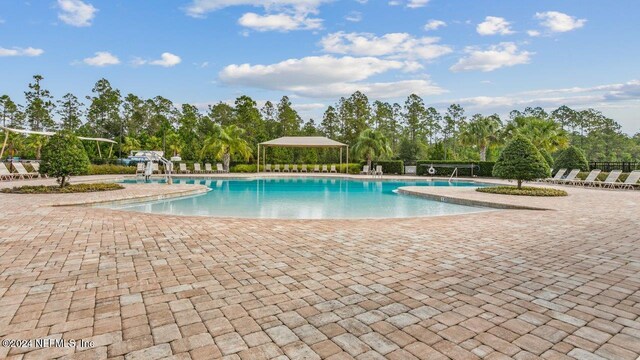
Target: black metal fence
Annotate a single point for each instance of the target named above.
(607, 166)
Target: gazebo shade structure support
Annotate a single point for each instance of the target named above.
(301, 142)
(49, 133)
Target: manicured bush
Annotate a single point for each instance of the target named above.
(388, 166)
(111, 169)
(572, 158)
(523, 191)
(483, 169)
(547, 157)
(521, 161)
(77, 188)
(62, 156)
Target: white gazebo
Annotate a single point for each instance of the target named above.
(49, 133)
(301, 142)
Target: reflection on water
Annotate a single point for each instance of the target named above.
(303, 198)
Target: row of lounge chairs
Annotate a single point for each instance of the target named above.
(303, 169)
(367, 171)
(21, 172)
(198, 170)
(612, 181)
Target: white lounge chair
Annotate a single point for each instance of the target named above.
(196, 168)
(207, 168)
(325, 169)
(304, 168)
(5, 174)
(140, 167)
(294, 168)
(590, 179)
(612, 179)
(316, 168)
(286, 168)
(365, 170)
(632, 180)
(557, 176)
(379, 170)
(267, 168)
(36, 168)
(276, 168)
(22, 172)
(333, 169)
(183, 169)
(220, 168)
(570, 178)
(155, 168)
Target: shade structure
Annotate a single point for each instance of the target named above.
(302, 142)
(48, 133)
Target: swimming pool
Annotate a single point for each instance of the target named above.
(303, 198)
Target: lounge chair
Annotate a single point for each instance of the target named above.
(632, 180)
(196, 168)
(22, 172)
(557, 176)
(294, 168)
(286, 168)
(570, 178)
(207, 168)
(333, 169)
(612, 179)
(140, 167)
(304, 169)
(276, 168)
(325, 169)
(590, 180)
(267, 168)
(365, 170)
(36, 168)
(183, 169)
(379, 170)
(5, 174)
(220, 168)
(155, 168)
(316, 168)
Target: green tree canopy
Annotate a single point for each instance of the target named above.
(62, 156)
(371, 143)
(572, 158)
(521, 161)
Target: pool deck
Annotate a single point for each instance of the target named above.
(559, 283)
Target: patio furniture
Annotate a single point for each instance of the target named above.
(276, 168)
(333, 169)
(590, 180)
(267, 168)
(220, 168)
(140, 167)
(183, 169)
(22, 172)
(365, 170)
(570, 178)
(294, 168)
(325, 169)
(196, 168)
(611, 179)
(316, 168)
(557, 176)
(155, 168)
(207, 168)
(5, 174)
(286, 168)
(632, 180)
(379, 170)
(36, 168)
(304, 168)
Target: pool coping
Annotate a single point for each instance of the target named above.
(198, 190)
(464, 201)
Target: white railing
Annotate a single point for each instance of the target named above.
(454, 173)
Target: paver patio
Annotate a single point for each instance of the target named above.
(562, 283)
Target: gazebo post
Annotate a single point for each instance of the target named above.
(340, 157)
(258, 164)
(347, 170)
(110, 150)
(4, 145)
(99, 152)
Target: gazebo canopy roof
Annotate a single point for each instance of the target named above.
(49, 133)
(303, 142)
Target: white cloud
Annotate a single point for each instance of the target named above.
(325, 77)
(558, 22)
(16, 51)
(394, 45)
(495, 57)
(533, 33)
(166, 60)
(199, 8)
(76, 12)
(354, 16)
(417, 3)
(279, 22)
(434, 25)
(493, 25)
(102, 58)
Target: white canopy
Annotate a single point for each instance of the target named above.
(303, 141)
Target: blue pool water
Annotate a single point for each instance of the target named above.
(303, 198)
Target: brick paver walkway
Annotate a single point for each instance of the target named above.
(563, 283)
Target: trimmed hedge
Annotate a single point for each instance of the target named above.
(523, 191)
(394, 167)
(484, 169)
(78, 188)
(111, 169)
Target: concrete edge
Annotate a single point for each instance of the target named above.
(182, 193)
(467, 202)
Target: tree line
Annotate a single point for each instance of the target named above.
(412, 129)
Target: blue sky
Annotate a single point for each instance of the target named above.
(488, 55)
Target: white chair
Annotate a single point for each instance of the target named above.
(183, 169)
(5, 174)
(267, 168)
(304, 168)
(612, 179)
(22, 172)
(196, 168)
(207, 168)
(632, 180)
(316, 168)
(140, 167)
(286, 168)
(379, 170)
(219, 168)
(570, 178)
(325, 169)
(155, 168)
(557, 176)
(294, 168)
(333, 169)
(276, 168)
(365, 170)
(36, 168)
(590, 179)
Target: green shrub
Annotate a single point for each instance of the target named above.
(547, 157)
(77, 188)
(522, 191)
(244, 168)
(521, 161)
(571, 158)
(111, 169)
(388, 166)
(62, 156)
(483, 169)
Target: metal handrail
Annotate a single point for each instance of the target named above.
(455, 172)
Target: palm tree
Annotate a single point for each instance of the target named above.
(36, 142)
(544, 133)
(225, 142)
(481, 132)
(130, 144)
(371, 143)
